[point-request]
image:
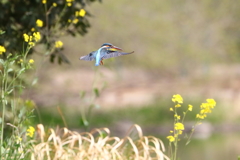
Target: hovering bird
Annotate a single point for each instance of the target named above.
(106, 51)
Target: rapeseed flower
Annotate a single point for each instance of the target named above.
(2, 49)
(69, 2)
(82, 13)
(44, 1)
(171, 138)
(179, 126)
(54, 4)
(30, 131)
(39, 23)
(190, 107)
(31, 61)
(206, 108)
(32, 39)
(177, 105)
(75, 21)
(26, 37)
(177, 98)
(58, 44)
(211, 103)
(36, 36)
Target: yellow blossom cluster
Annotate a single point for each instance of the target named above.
(31, 61)
(80, 13)
(30, 131)
(58, 44)
(69, 2)
(178, 129)
(206, 108)
(2, 49)
(177, 98)
(39, 22)
(171, 138)
(190, 107)
(44, 1)
(32, 39)
(54, 4)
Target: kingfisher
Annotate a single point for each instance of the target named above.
(107, 50)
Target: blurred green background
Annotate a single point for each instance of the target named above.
(182, 47)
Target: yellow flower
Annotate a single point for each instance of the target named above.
(36, 36)
(58, 44)
(33, 29)
(31, 61)
(82, 13)
(44, 1)
(177, 98)
(30, 131)
(54, 4)
(171, 138)
(30, 38)
(2, 49)
(39, 23)
(69, 20)
(20, 61)
(31, 44)
(69, 2)
(190, 107)
(26, 37)
(171, 109)
(177, 105)
(201, 116)
(211, 103)
(75, 21)
(179, 126)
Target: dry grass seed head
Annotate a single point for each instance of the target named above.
(66, 144)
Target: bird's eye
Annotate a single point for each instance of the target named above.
(90, 54)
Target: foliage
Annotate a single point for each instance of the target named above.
(15, 112)
(52, 18)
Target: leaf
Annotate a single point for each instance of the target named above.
(34, 81)
(2, 62)
(2, 32)
(96, 91)
(21, 71)
(9, 70)
(11, 63)
(10, 91)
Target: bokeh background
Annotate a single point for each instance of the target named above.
(185, 47)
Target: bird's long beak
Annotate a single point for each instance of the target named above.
(114, 48)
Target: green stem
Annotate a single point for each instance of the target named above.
(175, 148)
(3, 107)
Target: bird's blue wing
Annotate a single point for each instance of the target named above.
(90, 57)
(111, 54)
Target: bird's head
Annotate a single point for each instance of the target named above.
(110, 47)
